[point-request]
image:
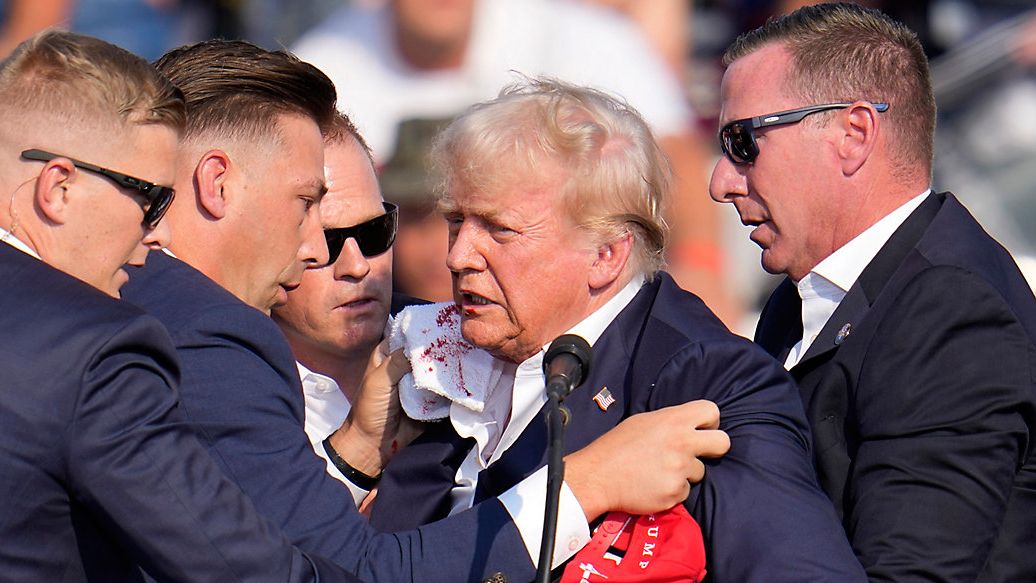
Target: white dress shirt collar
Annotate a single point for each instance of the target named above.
(519, 393)
(824, 287)
(511, 406)
(7, 237)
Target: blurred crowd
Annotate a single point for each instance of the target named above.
(403, 68)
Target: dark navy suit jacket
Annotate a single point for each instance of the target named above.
(923, 414)
(98, 472)
(762, 513)
(241, 392)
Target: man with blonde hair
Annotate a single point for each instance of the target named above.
(910, 331)
(333, 322)
(98, 471)
(554, 196)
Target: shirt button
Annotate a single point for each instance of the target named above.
(573, 544)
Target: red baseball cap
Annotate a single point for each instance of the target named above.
(666, 547)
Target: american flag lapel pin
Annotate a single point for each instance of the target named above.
(604, 398)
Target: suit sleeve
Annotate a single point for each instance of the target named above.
(943, 425)
(143, 474)
(763, 514)
(250, 416)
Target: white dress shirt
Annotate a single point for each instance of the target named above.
(824, 287)
(510, 407)
(326, 409)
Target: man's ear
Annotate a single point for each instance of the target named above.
(210, 176)
(51, 193)
(610, 261)
(859, 128)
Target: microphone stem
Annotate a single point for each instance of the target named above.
(555, 476)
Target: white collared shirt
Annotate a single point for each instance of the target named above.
(326, 408)
(510, 407)
(17, 243)
(824, 287)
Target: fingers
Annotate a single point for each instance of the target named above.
(378, 355)
(700, 414)
(396, 365)
(711, 443)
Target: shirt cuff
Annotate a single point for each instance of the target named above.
(357, 492)
(526, 501)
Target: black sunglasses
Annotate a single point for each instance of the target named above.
(156, 198)
(737, 138)
(373, 237)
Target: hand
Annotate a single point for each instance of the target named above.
(646, 463)
(367, 437)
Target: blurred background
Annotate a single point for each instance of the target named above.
(403, 68)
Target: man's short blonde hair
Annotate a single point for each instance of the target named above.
(88, 83)
(616, 180)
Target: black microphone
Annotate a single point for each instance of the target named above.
(566, 364)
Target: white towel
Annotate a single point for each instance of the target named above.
(445, 368)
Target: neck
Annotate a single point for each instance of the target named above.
(875, 204)
(346, 370)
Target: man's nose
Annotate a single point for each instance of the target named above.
(727, 182)
(351, 262)
(464, 252)
(159, 237)
(313, 250)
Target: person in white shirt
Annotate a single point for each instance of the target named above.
(910, 331)
(554, 197)
(419, 59)
(336, 317)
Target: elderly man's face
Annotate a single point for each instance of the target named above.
(786, 193)
(520, 267)
(340, 310)
(278, 231)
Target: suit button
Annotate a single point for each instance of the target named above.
(497, 577)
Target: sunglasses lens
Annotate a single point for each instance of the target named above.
(738, 143)
(159, 199)
(373, 237)
(335, 241)
(376, 236)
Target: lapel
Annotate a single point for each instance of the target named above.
(612, 368)
(858, 301)
(780, 324)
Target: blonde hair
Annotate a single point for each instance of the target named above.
(87, 82)
(616, 178)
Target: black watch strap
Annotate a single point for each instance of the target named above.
(352, 474)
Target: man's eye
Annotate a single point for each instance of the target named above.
(502, 232)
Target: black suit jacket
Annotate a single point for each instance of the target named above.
(98, 471)
(762, 513)
(241, 393)
(920, 392)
